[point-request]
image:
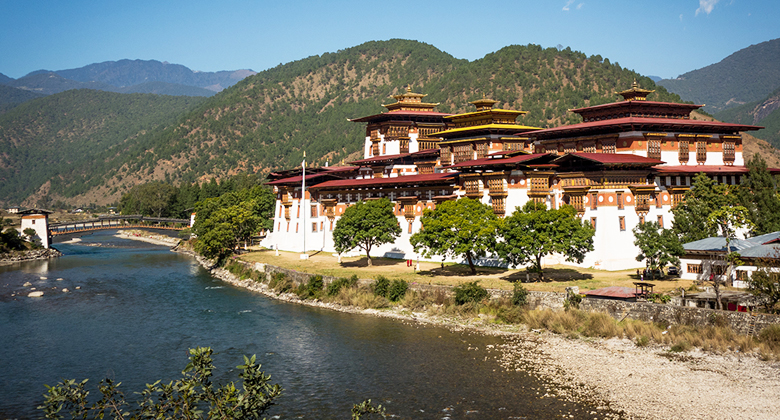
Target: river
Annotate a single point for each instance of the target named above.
(133, 309)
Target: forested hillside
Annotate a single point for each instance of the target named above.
(73, 141)
(748, 75)
(266, 121)
(11, 97)
(765, 113)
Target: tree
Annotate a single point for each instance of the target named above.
(191, 397)
(150, 199)
(658, 246)
(463, 227)
(765, 283)
(225, 228)
(535, 231)
(704, 197)
(366, 224)
(728, 220)
(758, 193)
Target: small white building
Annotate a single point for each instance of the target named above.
(706, 258)
(37, 220)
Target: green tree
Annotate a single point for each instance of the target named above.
(658, 246)
(704, 197)
(535, 231)
(457, 228)
(150, 199)
(366, 224)
(758, 193)
(225, 228)
(728, 220)
(191, 397)
(765, 283)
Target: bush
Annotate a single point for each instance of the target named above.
(381, 286)
(280, 283)
(470, 292)
(519, 295)
(312, 288)
(659, 298)
(681, 346)
(341, 283)
(572, 301)
(770, 334)
(397, 290)
(642, 341)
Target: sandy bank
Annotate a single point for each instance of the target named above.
(143, 236)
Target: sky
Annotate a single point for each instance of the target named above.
(663, 38)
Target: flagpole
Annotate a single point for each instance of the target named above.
(304, 255)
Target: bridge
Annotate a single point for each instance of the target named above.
(132, 221)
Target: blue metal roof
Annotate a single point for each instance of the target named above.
(750, 248)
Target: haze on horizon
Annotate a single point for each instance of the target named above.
(663, 38)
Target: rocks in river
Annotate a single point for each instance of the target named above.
(35, 294)
(27, 284)
(44, 278)
(35, 254)
(60, 279)
(65, 290)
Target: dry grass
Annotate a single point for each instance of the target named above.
(559, 277)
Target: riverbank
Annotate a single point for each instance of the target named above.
(33, 254)
(643, 382)
(149, 237)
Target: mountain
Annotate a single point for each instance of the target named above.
(58, 142)
(4, 80)
(748, 75)
(124, 73)
(162, 88)
(765, 112)
(11, 97)
(266, 121)
(49, 83)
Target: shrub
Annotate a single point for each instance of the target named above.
(280, 283)
(659, 298)
(470, 292)
(336, 285)
(510, 315)
(642, 341)
(770, 334)
(312, 288)
(397, 290)
(519, 295)
(681, 346)
(572, 301)
(381, 286)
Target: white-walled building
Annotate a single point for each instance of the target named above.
(628, 162)
(38, 220)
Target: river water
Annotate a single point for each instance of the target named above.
(133, 309)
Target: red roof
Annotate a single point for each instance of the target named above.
(611, 158)
(379, 159)
(373, 182)
(613, 292)
(618, 122)
(389, 114)
(636, 104)
(332, 170)
(695, 169)
(489, 161)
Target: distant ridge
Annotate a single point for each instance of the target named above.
(748, 75)
(4, 80)
(124, 73)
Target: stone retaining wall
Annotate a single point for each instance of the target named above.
(644, 311)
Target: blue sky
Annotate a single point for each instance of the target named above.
(662, 38)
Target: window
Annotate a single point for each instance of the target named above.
(594, 198)
(446, 158)
(296, 228)
(608, 147)
(701, 151)
(314, 227)
(322, 225)
(729, 152)
(622, 221)
(482, 150)
(661, 221)
(463, 153)
(299, 212)
(694, 268)
(288, 226)
(410, 227)
(683, 154)
(620, 202)
(654, 149)
(593, 222)
(314, 210)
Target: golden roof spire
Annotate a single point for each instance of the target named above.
(635, 93)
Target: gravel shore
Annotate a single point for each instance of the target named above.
(637, 382)
(151, 238)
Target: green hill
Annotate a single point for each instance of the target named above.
(10, 97)
(266, 121)
(765, 113)
(72, 141)
(748, 75)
